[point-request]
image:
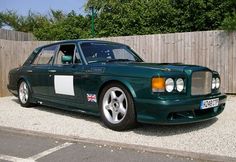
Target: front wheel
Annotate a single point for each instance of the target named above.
(117, 107)
(24, 94)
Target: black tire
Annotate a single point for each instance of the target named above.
(128, 119)
(24, 101)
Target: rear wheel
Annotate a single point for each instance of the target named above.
(24, 94)
(117, 107)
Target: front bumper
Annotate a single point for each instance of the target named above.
(177, 111)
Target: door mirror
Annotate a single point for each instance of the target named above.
(66, 59)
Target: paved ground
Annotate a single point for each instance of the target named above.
(214, 137)
(29, 148)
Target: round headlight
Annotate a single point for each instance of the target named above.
(213, 83)
(217, 83)
(169, 85)
(180, 84)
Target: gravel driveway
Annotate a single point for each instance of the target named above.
(217, 136)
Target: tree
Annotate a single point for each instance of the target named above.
(201, 14)
(66, 26)
(229, 22)
(55, 26)
(21, 23)
(127, 17)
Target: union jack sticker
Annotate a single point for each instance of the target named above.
(91, 98)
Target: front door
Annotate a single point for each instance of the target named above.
(65, 76)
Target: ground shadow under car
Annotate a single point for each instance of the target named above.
(169, 130)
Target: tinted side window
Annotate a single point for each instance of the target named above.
(97, 52)
(46, 56)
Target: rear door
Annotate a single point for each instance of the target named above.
(39, 72)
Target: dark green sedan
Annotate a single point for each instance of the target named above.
(110, 80)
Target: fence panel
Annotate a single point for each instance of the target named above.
(12, 55)
(214, 49)
(15, 35)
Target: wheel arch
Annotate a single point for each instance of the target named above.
(127, 85)
(27, 82)
(132, 119)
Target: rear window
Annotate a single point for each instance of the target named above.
(46, 55)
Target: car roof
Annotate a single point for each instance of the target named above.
(80, 41)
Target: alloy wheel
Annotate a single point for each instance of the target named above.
(23, 92)
(115, 105)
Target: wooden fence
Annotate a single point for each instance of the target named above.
(15, 35)
(13, 54)
(214, 49)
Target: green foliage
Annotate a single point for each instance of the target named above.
(229, 23)
(127, 17)
(61, 27)
(202, 14)
(132, 17)
(55, 26)
(21, 23)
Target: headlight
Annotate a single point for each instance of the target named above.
(213, 83)
(180, 85)
(169, 85)
(217, 83)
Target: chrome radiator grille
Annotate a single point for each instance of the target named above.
(201, 83)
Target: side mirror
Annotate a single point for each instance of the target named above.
(66, 59)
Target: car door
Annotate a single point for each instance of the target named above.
(40, 71)
(66, 80)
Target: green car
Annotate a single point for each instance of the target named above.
(110, 80)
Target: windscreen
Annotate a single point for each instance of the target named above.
(99, 52)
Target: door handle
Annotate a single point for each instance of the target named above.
(29, 71)
(52, 71)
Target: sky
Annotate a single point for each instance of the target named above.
(42, 6)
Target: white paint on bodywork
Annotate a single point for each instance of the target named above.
(64, 84)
